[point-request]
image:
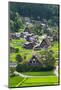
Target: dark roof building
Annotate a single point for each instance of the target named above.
(28, 45)
(46, 43)
(14, 36)
(34, 61)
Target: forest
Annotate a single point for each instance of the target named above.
(34, 12)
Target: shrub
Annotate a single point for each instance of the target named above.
(18, 58)
(17, 50)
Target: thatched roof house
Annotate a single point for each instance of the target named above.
(45, 43)
(34, 61)
(28, 45)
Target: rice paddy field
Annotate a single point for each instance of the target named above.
(33, 81)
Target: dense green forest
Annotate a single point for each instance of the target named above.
(34, 12)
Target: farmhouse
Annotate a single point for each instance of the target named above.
(26, 34)
(14, 35)
(34, 60)
(31, 38)
(45, 43)
(28, 45)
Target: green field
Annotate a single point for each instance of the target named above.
(13, 81)
(53, 80)
(33, 81)
(42, 73)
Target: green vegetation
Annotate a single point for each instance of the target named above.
(33, 81)
(40, 19)
(55, 49)
(53, 80)
(18, 44)
(18, 58)
(13, 81)
(41, 73)
(35, 11)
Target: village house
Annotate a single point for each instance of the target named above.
(15, 35)
(45, 43)
(28, 45)
(32, 38)
(27, 32)
(34, 61)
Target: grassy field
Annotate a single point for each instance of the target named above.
(13, 81)
(53, 80)
(22, 51)
(18, 81)
(42, 73)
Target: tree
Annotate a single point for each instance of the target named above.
(17, 50)
(12, 26)
(37, 29)
(50, 60)
(18, 58)
(18, 22)
(47, 60)
(37, 11)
